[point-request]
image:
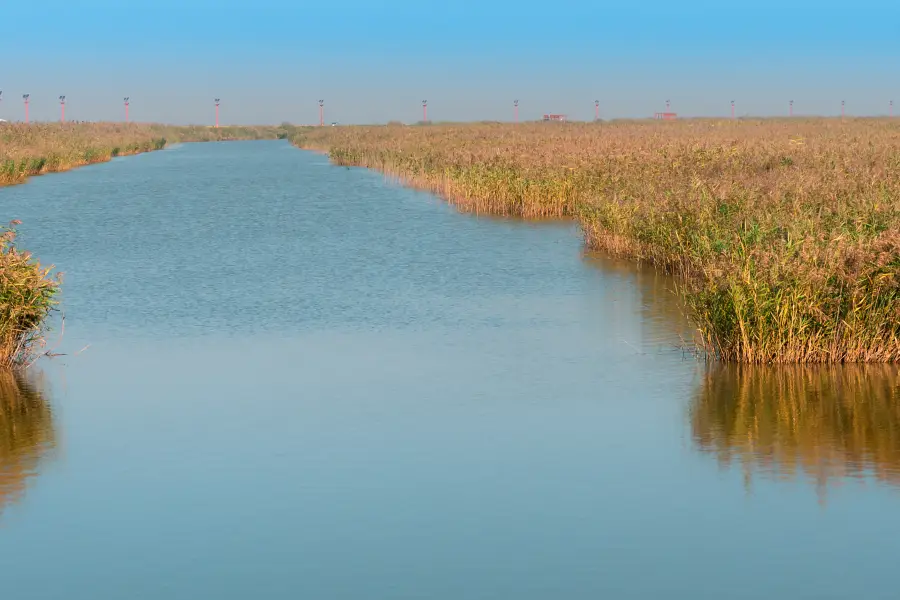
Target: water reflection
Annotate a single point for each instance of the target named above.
(26, 432)
(662, 320)
(824, 424)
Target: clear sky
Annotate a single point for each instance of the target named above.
(270, 61)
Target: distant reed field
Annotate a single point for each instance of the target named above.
(784, 234)
(38, 148)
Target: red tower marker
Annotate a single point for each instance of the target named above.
(596, 110)
(62, 109)
(217, 113)
(424, 111)
(842, 110)
(516, 106)
(25, 97)
(321, 113)
(126, 108)
(732, 109)
(791, 109)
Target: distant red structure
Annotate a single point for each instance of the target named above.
(666, 116)
(559, 118)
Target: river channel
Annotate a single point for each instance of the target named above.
(286, 379)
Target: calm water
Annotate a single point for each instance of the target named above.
(303, 382)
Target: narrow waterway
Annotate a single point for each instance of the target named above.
(302, 381)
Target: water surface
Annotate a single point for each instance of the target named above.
(305, 382)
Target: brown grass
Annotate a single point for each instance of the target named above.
(28, 293)
(35, 149)
(784, 234)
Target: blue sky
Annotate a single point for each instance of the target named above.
(373, 62)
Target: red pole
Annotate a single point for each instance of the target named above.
(596, 110)
(25, 97)
(732, 109)
(791, 109)
(842, 110)
(217, 115)
(424, 111)
(516, 105)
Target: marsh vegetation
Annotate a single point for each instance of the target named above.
(784, 235)
(35, 149)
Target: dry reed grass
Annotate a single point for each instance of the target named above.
(27, 296)
(35, 149)
(784, 234)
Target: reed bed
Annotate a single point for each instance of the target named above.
(27, 433)
(821, 422)
(784, 234)
(28, 292)
(35, 149)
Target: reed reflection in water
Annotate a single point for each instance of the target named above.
(662, 322)
(26, 433)
(820, 423)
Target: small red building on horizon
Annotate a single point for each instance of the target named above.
(559, 118)
(665, 116)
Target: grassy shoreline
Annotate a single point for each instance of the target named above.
(36, 149)
(784, 234)
(28, 294)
